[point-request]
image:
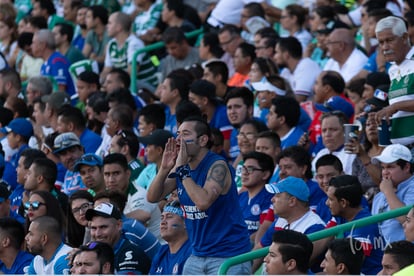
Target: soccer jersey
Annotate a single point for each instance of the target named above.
(57, 265)
(56, 67)
(130, 258)
(167, 263)
(23, 260)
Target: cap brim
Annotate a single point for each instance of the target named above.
(65, 148)
(322, 108)
(377, 103)
(76, 168)
(385, 159)
(5, 130)
(146, 140)
(93, 213)
(271, 188)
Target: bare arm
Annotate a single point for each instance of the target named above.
(387, 187)
(141, 215)
(388, 111)
(87, 49)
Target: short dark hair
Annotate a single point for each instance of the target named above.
(116, 158)
(99, 11)
(177, 6)
(347, 187)
(122, 76)
(65, 29)
(11, 75)
(330, 160)
(402, 253)
(271, 136)
(211, 40)
(47, 5)
(334, 80)
(232, 29)
(299, 11)
(343, 119)
(128, 137)
(186, 109)
(201, 128)
(123, 115)
(14, 230)
(115, 197)
(180, 79)
(291, 45)
(241, 92)
(104, 253)
(258, 125)
(247, 50)
(289, 108)
(46, 168)
(122, 96)
(71, 114)
(264, 160)
(153, 114)
(255, 9)
(349, 252)
(294, 245)
(219, 68)
(38, 22)
(267, 32)
(173, 34)
(30, 155)
(298, 155)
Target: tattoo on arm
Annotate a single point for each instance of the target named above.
(218, 174)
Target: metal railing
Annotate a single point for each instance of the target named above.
(337, 231)
(149, 48)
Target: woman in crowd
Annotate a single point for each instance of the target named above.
(78, 230)
(293, 19)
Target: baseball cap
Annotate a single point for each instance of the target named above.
(4, 191)
(375, 79)
(105, 209)
(204, 88)
(291, 185)
(21, 126)
(380, 98)
(64, 141)
(158, 137)
(89, 159)
(394, 152)
(265, 85)
(56, 100)
(336, 103)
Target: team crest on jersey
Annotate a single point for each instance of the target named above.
(255, 210)
(175, 269)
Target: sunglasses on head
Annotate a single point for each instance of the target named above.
(34, 205)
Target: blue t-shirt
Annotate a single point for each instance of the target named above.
(57, 67)
(234, 145)
(220, 230)
(72, 183)
(90, 140)
(392, 229)
(166, 263)
(16, 198)
(371, 65)
(316, 194)
(170, 121)
(23, 260)
(220, 119)
(254, 209)
(292, 138)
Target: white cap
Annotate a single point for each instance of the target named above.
(264, 85)
(394, 152)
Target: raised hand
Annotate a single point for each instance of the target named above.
(170, 155)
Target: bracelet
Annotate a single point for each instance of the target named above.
(182, 172)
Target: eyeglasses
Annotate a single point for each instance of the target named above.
(250, 170)
(83, 208)
(35, 205)
(249, 136)
(227, 42)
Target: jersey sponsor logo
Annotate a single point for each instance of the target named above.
(128, 255)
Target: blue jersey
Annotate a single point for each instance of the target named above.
(234, 145)
(292, 138)
(10, 174)
(254, 209)
(72, 183)
(90, 140)
(16, 198)
(221, 121)
(220, 230)
(166, 263)
(130, 259)
(57, 68)
(170, 121)
(316, 194)
(138, 234)
(23, 260)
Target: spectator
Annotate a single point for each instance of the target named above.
(242, 61)
(11, 87)
(252, 19)
(117, 178)
(408, 226)
(13, 259)
(71, 119)
(47, 10)
(38, 86)
(51, 249)
(300, 72)
(397, 255)
(129, 258)
(346, 58)
(254, 201)
(210, 49)
(53, 103)
(171, 257)
(395, 189)
(80, 30)
(230, 39)
(289, 253)
(400, 108)
(206, 200)
(90, 169)
(94, 258)
(344, 201)
(79, 231)
(269, 142)
(217, 73)
(146, 15)
(63, 34)
(87, 82)
(56, 66)
(344, 257)
(68, 147)
(126, 142)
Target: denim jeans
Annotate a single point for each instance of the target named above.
(210, 265)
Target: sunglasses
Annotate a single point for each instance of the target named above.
(34, 205)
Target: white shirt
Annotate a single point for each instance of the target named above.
(351, 67)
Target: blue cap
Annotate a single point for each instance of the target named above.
(21, 126)
(292, 185)
(64, 141)
(337, 103)
(89, 159)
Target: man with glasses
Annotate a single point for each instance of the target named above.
(346, 58)
(230, 39)
(68, 147)
(93, 258)
(254, 202)
(90, 168)
(394, 43)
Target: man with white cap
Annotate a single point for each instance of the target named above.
(396, 189)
